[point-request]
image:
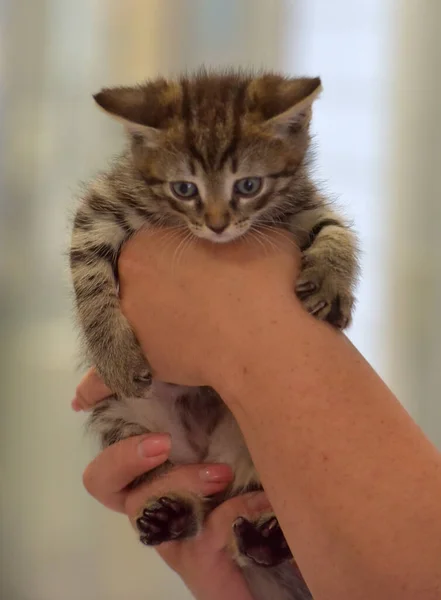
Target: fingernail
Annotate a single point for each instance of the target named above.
(154, 445)
(216, 473)
(258, 501)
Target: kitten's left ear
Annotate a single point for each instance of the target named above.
(125, 105)
(144, 110)
(285, 105)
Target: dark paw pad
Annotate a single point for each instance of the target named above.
(166, 519)
(262, 542)
(337, 316)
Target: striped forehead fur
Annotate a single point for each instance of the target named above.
(209, 112)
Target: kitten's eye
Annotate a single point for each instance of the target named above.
(249, 186)
(184, 189)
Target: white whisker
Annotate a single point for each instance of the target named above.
(187, 241)
(177, 250)
(254, 234)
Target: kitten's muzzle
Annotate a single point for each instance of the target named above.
(218, 228)
(216, 220)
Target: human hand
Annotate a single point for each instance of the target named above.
(192, 314)
(202, 562)
(90, 391)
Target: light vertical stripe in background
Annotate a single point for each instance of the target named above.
(414, 290)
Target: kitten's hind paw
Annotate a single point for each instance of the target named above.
(261, 542)
(168, 518)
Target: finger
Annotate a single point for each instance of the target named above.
(107, 476)
(202, 480)
(90, 391)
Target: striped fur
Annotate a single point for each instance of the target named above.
(209, 130)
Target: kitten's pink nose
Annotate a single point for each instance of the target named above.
(216, 219)
(218, 228)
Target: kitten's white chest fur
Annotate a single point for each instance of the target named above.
(158, 412)
(193, 440)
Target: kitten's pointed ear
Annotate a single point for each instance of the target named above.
(142, 109)
(285, 104)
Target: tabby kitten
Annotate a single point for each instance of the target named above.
(218, 154)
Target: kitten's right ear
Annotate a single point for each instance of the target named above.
(283, 105)
(142, 109)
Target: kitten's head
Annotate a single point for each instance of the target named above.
(218, 151)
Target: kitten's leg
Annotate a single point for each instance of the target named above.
(170, 517)
(260, 541)
(329, 265)
(100, 229)
(260, 549)
(283, 582)
(111, 421)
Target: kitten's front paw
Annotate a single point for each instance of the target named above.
(125, 371)
(324, 292)
(168, 518)
(261, 542)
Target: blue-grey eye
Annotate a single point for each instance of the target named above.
(184, 189)
(249, 186)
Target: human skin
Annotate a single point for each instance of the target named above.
(354, 482)
(202, 562)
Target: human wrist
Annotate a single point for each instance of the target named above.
(250, 339)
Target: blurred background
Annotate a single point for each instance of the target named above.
(378, 128)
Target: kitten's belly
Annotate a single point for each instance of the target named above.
(158, 413)
(202, 430)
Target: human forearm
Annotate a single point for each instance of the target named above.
(353, 481)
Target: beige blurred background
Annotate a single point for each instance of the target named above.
(378, 127)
